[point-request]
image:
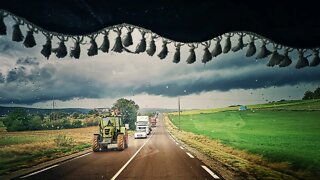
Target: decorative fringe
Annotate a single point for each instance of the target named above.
(286, 61)
(316, 59)
(105, 44)
(164, 52)
(207, 56)
(192, 57)
(217, 49)
(93, 50)
(75, 52)
(29, 40)
(176, 56)
(227, 45)
(16, 33)
(61, 50)
(141, 47)
(3, 27)
(303, 61)
(264, 52)
(252, 48)
(127, 40)
(240, 44)
(46, 48)
(117, 47)
(152, 47)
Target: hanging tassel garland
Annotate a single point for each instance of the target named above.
(303, 61)
(61, 51)
(164, 52)
(141, 47)
(227, 45)
(217, 49)
(192, 57)
(176, 56)
(316, 59)
(152, 47)
(16, 33)
(264, 52)
(46, 48)
(29, 40)
(93, 50)
(240, 44)
(207, 56)
(3, 27)
(127, 40)
(117, 47)
(286, 61)
(105, 44)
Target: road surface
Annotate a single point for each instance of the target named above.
(157, 157)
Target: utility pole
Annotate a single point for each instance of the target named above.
(179, 111)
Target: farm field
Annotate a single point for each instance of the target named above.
(24, 149)
(280, 132)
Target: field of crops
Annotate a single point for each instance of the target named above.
(27, 148)
(284, 132)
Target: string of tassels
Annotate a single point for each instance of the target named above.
(121, 43)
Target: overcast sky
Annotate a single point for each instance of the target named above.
(29, 79)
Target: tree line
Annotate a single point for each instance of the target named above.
(308, 95)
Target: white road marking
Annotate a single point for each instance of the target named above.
(28, 175)
(82, 155)
(210, 172)
(190, 155)
(124, 166)
(181, 147)
(177, 143)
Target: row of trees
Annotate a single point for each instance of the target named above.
(20, 120)
(312, 95)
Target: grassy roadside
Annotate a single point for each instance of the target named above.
(249, 166)
(20, 150)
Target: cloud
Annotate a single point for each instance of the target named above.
(28, 61)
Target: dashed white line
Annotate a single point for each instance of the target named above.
(210, 172)
(181, 147)
(82, 155)
(39, 171)
(177, 143)
(124, 166)
(190, 155)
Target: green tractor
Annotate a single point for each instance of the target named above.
(111, 131)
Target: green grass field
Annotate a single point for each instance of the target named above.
(276, 132)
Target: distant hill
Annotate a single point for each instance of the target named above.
(6, 110)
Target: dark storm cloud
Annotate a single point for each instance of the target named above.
(261, 77)
(2, 78)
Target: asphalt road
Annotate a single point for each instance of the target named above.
(157, 157)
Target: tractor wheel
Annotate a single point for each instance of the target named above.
(126, 141)
(120, 142)
(95, 143)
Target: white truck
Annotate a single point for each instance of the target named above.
(142, 127)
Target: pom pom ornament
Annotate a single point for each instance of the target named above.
(207, 56)
(127, 40)
(47, 48)
(105, 44)
(117, 47)
(192, 56)
(152, 47)
(93, 50)
(176, 56)
(61, 50)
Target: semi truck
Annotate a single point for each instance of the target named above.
(153, 121)
(143, 127)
